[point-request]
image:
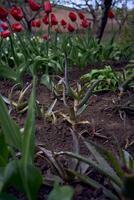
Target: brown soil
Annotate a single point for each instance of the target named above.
(106, 127)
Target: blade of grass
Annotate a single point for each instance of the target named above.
(10, 129)
(29, 140)
(29, 129)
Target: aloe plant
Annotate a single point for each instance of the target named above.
(118, 171)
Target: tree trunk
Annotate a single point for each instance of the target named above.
(29, 26)
(106, 7)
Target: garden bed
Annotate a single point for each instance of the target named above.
(107, 126)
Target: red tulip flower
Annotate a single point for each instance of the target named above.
(4, 26)
(85, 23)
(81, 15)
(17, 27)
(53, 20)
(70, 28)
(3, 13)
(63, 23)
(36, 23)
(45, 20)
(47, 7)
(33, 5)
(72, 16)
(111, 14)
(16, 12)
(5, 34)
(45, 37)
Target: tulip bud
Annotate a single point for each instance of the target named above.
(47, 7)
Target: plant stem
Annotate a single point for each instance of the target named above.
(66, 73)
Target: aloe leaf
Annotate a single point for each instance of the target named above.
(112, 159)
(103, 156)
(126, 83)
(76, 149)
(50, 156)
(50, 109)
(45, 80)
(81, 110)
(94, 184)
(10, 129)
(93, 164)
(6, 100)
(127, 159)
(88, 94)
(101, 161)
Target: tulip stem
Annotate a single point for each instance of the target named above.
(12, 47)
(66, 74)
(23, 47)
(13, 51)
(49, 33)
(1, 42)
